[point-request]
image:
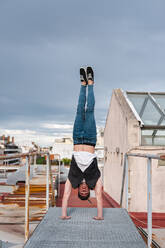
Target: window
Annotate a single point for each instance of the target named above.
(151, 110)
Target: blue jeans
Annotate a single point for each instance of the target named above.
(84, 130)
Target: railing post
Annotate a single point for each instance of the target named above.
(59, 172)
(27, 192)
(149, 201)
(52, 185)
(35, 160)
(126, 181)
(47, 180)
(123, 181)
(5, 168)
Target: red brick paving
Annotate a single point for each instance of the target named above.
(74, 201)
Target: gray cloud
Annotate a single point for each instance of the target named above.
(43, 44)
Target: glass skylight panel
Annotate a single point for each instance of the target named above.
(159, 138)
(151, 115)
(147, 112)
(161, 132)
(151, 110)
(160, 99)
(137, 100)
(159, 141)
(147, 138)
(147, 132)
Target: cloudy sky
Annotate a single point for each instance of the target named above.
(43, 43)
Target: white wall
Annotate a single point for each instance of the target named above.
(121, 133)
(115, 138)
(138, 182)
(65, 150)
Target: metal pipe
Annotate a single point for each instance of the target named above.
(145, 235)
(123, 181)
(47, 181)
(145, 93)
(149, 201)
(59, 171)
(52, 185)
(158, 124)
(126, 182)
(157, 106)
(27, 184)
(143, 106)
(27, 192)
(154, 127)
(20, 155)
(144, 155)
(149, 186)
(6, 163)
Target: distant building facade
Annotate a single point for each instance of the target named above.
(8, 146)
(63, 147)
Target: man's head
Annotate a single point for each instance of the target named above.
(83, 191)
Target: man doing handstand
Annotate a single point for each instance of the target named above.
(84, 173)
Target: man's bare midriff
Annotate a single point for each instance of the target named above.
(84, 148)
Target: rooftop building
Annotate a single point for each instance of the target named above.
(135, 123)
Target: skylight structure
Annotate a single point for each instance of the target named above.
(150, 109)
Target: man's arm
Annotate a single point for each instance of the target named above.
(99, 198)
(67, 192)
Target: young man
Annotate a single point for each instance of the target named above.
(84, 173)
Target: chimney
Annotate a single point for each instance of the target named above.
(13, 140)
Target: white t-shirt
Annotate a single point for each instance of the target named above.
(83, 159)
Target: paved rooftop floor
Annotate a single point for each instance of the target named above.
(115, 231)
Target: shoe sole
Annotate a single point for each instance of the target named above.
(91, 76)
(84, 78)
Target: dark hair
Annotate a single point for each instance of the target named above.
(83, 198)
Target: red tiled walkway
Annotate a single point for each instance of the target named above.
(74, 201)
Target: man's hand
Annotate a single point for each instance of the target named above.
(65, 217)
(98, 218)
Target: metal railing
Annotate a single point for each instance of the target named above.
(149, 186)
(28, 157)
(58, 156)
(7, 151)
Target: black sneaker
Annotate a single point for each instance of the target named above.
(89, 73)
(83, 75)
